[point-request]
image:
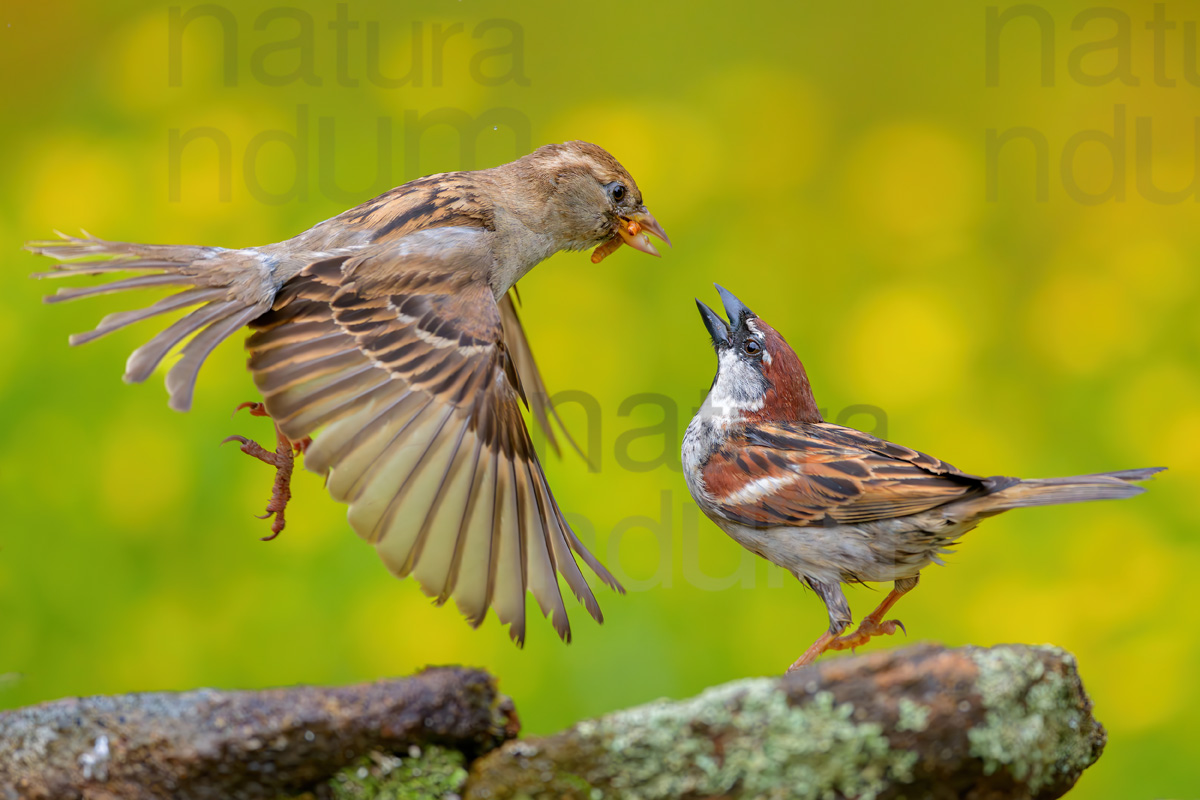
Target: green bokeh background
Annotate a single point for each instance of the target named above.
(825, 162)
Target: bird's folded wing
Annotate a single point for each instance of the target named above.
(816, 474)
(399, 353)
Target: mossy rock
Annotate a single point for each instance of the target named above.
(428, 773)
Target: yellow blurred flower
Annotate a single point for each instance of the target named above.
(73, 182)
(1083, 321)
(917, 183)
(904, 344)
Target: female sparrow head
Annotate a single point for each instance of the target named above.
(592, 199)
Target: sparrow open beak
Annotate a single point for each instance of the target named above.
(632, 231)
(649, 224)
(634, 228)
(734, 309)
(717, 328)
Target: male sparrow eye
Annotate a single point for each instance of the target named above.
(752, 347)
(616, 191)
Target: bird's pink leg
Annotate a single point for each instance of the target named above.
(814, 651)
(284, 461)
(872, 625)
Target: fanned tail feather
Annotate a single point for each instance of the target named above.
(227, 290)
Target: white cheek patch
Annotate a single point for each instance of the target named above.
(728, 362)
(736, 387)
(739, 387)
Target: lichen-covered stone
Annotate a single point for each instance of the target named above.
(219, 745)
(913, 716)
(430, 773)
(918, 722)
(743, 736)
(921, 721)
(1033, 719)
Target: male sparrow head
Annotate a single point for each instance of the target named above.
(758, 376)
(830, 504)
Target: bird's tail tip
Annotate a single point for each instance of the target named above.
(1075, 489)
(1132, 475)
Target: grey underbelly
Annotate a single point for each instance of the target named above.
(874, 551)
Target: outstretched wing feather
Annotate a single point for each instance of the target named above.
(401, 352)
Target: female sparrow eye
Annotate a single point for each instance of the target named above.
(752, 347)
(616, 191)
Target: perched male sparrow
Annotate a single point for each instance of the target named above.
(833, 505)
(391, 327)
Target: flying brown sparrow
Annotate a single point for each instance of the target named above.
(833, 505)
(391, 329)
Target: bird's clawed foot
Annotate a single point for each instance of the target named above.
(872, 625)
(284, 461)
(260, 410)
(867, 629)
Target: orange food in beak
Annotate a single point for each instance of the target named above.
(633, 231)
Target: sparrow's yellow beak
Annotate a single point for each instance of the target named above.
(632, 231)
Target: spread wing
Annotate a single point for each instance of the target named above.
(535, 393)
(399, 352)
(816, 474)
